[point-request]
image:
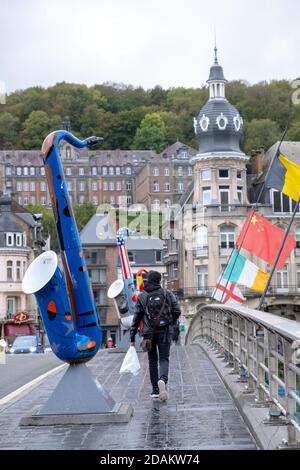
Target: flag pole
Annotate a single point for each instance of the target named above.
(255, 208)
(278, 256)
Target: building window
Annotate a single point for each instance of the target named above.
(19, 239)
(281, 202)
(25, 186)
(224, 198)
(9, 239)
(19, 186)
(112, 200)
(25, 171)
(166, 171)
(111, 170)
(120, 200)
(227, 237)
(69, 185)
(131, 257)
(167, 187)
(95, 200)
(158, 256)
(69, 171)
(282, 278)
(128, 185)
(201, 279)
(94, 171)
(128, 170)
(43, 200)
(32, 171)
(206, 175)
(43, 186)
(81, 186)
(18, 271)
(81, 171)
(111, 186)
(68, 153)
(8, 171)
(19, 171)
(179, 171)
(200, 244)
(26, 201)
(32, 186)
(156, 186)
(155, 171)
(24, 239)
(190, 171)
(104, 171)
(240, 194)
(206, 196)
(180, 186)
(81, 199)
(118, 186)
(129, 200)
(156, 204)
(239, 174)
(98, 276)
(297, 236)
(11, 306)
(167, 203)
(94, 186)
(9, 270)
(118, 170)
(32, 200)
(42, 170)
(223, 173)
(105, 186)
(20, 200)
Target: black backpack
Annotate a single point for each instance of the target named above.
(157, 305)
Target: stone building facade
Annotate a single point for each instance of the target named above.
(212, 212)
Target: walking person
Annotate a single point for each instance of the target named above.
(159, 311)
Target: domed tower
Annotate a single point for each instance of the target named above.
(218, 128)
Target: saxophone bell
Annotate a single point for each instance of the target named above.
(117, 292)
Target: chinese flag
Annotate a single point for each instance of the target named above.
(264, 239)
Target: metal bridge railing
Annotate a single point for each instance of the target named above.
(264, 350)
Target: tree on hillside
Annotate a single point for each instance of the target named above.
(8, 130)
(83, 213)
(151, 135)
(36, 127)
(260, 132)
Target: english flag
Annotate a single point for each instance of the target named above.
(228, 293)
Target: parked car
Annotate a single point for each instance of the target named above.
(26, 344)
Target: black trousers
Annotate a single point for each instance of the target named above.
(159, 356)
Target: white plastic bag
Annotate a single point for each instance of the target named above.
(131, 362)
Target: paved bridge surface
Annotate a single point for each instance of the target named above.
(200, 413)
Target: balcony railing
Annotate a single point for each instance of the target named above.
(206, 291)
(262, 350)
(200, 252)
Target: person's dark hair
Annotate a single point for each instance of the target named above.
(154, 277)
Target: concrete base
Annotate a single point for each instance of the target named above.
(122, 414)
(79, 399)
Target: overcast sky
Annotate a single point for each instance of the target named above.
(146, 42)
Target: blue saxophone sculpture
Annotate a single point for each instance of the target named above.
(65, 297)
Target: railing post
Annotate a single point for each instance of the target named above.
(250, 354)
(235, 334)
(290, 386)
(260, 347)
(274, 412)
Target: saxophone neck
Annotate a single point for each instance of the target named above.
(57, 136)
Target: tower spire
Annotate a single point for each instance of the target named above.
(216, 50)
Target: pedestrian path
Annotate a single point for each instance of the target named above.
(199, 414)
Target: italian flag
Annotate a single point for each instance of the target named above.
(241, 271)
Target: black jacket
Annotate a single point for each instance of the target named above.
(140, 310)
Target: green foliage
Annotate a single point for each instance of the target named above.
(83, 213)
(151, 134)
(8, 130)
(260, 132)
(36, 127)
(117, 111)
